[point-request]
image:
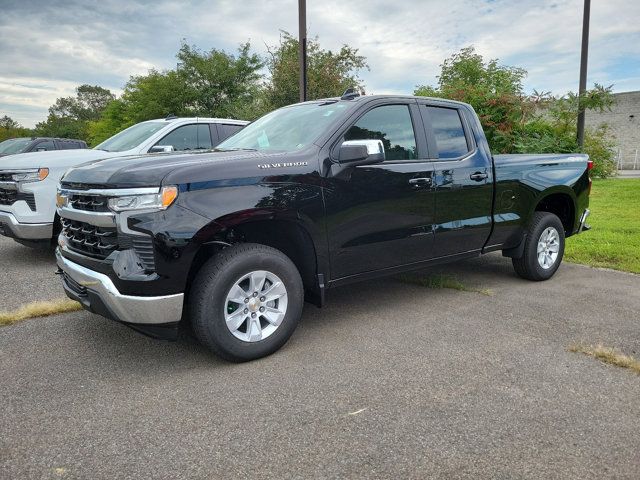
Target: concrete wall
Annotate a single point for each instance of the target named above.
(624, 123)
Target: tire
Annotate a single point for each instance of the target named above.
(543, 229)
(222, 324)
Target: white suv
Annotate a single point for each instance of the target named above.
(28, 181)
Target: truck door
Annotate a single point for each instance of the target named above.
(381, 216)
(463, 182)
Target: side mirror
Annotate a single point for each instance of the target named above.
(162, 149)
(361, 152)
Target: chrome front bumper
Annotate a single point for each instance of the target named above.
(95, 291)
(583, 220)
(10, 227)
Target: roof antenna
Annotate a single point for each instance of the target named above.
(351, 93)
(171, 116)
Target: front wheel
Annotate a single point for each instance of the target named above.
(246, 302)
(543, 249)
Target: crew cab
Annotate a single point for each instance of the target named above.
(14, 146)
(28, 181)
(308, 198)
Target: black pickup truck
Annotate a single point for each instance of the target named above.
(309, 197)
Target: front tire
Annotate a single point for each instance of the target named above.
(246, 302)
(543, 249)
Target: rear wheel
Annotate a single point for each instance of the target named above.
(246, 302)
(543, 249)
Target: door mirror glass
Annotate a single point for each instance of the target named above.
(162, 148)
(361, 152)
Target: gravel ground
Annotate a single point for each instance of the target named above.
(390, 380)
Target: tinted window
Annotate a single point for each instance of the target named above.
(47, 145)
(68, 145)
(447, 128)
(225, 131)
(391, 124)
(188, 137)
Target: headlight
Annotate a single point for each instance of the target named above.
(31, 175)
(151, 201)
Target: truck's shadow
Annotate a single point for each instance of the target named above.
(131, 352)
(26, 256)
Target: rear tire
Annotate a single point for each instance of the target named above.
(246, 302)
(543, 249)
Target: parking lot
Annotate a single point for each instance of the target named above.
(390, 380)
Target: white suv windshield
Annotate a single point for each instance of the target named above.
(287, 129)
(131, 137)
(14, 145)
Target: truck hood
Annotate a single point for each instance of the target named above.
(51, 159)
(172, 168)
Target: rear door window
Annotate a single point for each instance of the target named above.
(449, 133)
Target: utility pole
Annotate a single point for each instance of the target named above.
(302, 48)
(583, 69)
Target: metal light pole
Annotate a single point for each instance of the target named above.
(302, 49)
(583, 69)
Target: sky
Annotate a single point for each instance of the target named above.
(48, 48)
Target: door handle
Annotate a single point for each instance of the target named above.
(478, 176)
(420, 182)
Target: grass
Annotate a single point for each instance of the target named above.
(608, 355)
(441, 281)
(38, 309)
(614, 240)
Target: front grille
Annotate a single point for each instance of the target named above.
(6, 176)
(75, 286)
(9, 197)
(97, 242)
(91, 203)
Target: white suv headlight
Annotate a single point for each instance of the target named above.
(147, 201)
(31, 175)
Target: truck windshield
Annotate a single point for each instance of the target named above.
(287, 129)
(131, 137)
(14, 145)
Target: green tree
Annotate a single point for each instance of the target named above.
(111, 122)
(495, 92)
(204, 83)
(69, 117)
(9, 128)
(329, 74)
(216, 83)
(515, 122)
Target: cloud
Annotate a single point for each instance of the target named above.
(47, 48)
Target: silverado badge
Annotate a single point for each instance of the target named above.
(282, 165)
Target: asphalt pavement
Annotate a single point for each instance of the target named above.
(389, 380)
